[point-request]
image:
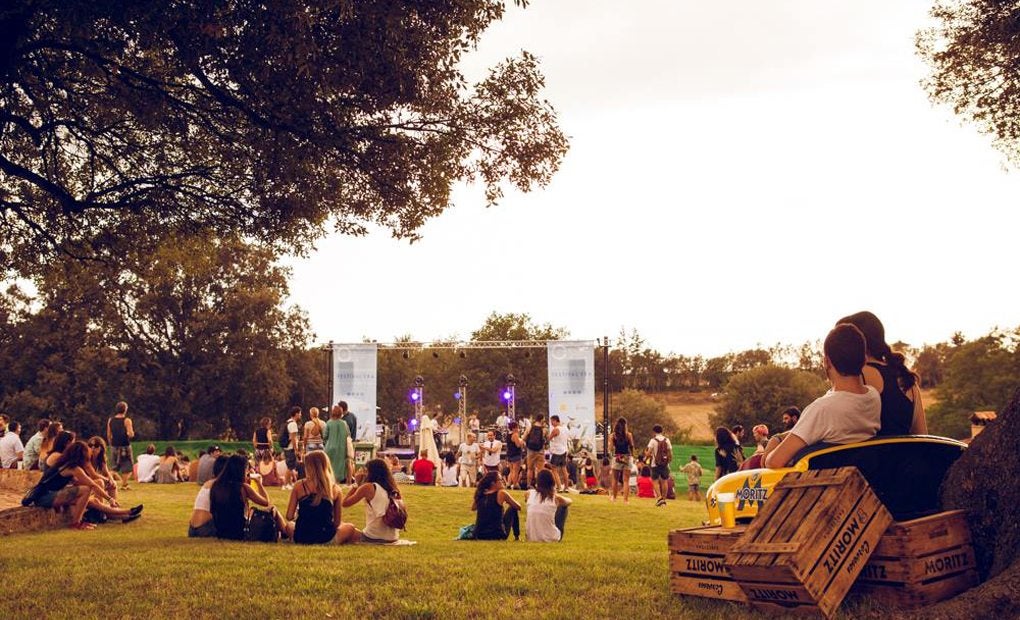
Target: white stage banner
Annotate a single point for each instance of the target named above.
(354, 381)
(572, 388)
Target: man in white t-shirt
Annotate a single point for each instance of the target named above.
(147, 464)
(490, 452)
(468, 460)
(660, 454)
(848, 413)
(291, 455)
(11, 448)
(559, 444)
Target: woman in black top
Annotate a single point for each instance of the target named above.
(229, 499)
(67, 484)
(316, 502)
(623, 447)
(726, 450)
(886, 371)
(491, 522)
(262, 441)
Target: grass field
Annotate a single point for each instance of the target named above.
(612, 564)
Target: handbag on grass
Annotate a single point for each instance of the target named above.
(396, 513)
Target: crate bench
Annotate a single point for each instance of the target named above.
(696, 563)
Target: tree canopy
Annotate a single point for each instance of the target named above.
(973, 50)
(272, 121)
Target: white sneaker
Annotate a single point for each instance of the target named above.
(287, 487)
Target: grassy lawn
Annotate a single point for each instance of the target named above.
(612, 564)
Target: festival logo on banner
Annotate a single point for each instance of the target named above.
(354, 381)
(572, 389)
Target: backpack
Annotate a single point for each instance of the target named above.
(662, 455)
(396, 513)
(535, 439)
(285, 437)
(262, 527)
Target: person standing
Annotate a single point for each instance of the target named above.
(693, 471)
(119, 433)
(262, 441)
(559, 444)
(469, 452)
(491, 450)
(660, 455)
(350, 419)
(313, 432)
(337, 435)
(289, 443)
(12, 451)
(514, 453)
(727, 452)
(623, 447)
(535, 442)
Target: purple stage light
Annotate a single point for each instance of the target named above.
(415, 396)
(456, 395)
(456, 420)
(507, 395)
(413, 423)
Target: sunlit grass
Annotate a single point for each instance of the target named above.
(612, 564)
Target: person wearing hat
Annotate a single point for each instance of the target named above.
(205, 464)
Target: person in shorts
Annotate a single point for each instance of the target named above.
(693, 471)
(623, 447)
(660, 454)
(559, 446)
(534, 441)
(290, 451)
(119, 433)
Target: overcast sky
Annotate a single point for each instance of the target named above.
(739, 173)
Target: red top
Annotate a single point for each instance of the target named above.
(424, 471)
(644, 487)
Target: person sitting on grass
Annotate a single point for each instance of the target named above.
(449, 473)
(424, 469)
(605, 474)
(491, 521)
(229, 497)
(401, 477)
(547, 510)
(588, 474)
(202, 524)
(147, 464)
(169, 470)
(376, 491)
(645, 485)
(848, 413)
(315, 502)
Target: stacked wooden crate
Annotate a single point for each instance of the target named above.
(696, 562)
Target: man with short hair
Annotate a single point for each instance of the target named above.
(4, 421)
(491, 450)
(206, 463)
(32, 446)
(119, 433)
(424, 469)
(693, 471)
(11, 448)
(290, 447)
(148, 463)
(848, 413)
(790, 417)
(534, 441)
(559, 445)
(350, 419)
(660, 454)
(468, 459)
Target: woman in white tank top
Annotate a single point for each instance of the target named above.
(376, 491)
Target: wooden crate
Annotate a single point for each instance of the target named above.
(696, 566)
(921, 562)
(809, 542)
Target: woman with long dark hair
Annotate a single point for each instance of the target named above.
(63, 440)
(547, 510)
(262, 440)
(514, 453)
(229, 497)
(726, 451)
(886, 371)
(49, 437)
(492, 522)
(97, 468)
(103, 499)
(623, 447)
(65, 484)
(169, 470)
(376, 490)
(201, 524)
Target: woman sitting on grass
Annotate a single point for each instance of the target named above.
(229, 497)
(588, 474)
(449, 470)
(315, 501)
(202, 524)
(376, 490)
(169, 470)
(547, 510)
(63, 440)
(645, 486)
(491, 521)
